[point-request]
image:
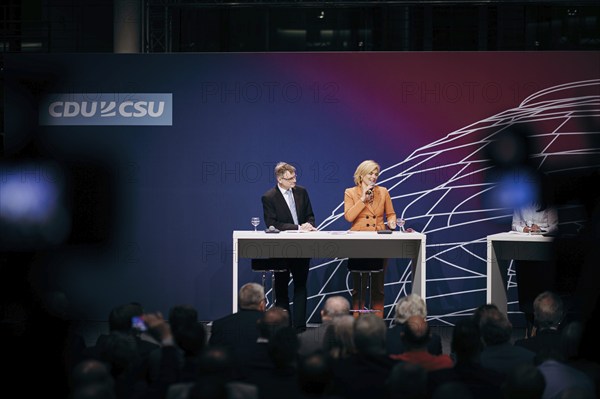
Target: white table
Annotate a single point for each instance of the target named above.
(329, 245)
(503, 247)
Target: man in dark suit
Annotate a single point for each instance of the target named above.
(548, 314)
(287, 207)
(238, 332)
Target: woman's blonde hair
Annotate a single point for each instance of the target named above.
(364, 168)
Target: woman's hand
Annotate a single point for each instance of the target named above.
(392, 223)
(367, 195)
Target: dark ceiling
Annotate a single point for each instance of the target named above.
(222, 26)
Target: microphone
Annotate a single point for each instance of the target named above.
(271, 229)
(370, 191)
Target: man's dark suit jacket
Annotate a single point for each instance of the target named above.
(277, 213)
(546, 339)
(237, 332)
(311, 340)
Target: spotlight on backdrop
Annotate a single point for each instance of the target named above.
(517, 181)
(33, 212)
(517, 188)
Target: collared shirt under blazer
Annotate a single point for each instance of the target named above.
(368, 216)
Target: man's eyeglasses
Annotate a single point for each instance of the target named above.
(289, 178)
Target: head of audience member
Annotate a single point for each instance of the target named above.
(271, 321)
(182, 315)
(120, 316)
(407, 381)
(548, 310)
(494, 326)
(315, 374)
(370, 334)
(480, 311)
(466, 341)
(91, 372)
(215, 362)
(335, 306)
(338, 340)
(410, 305)
(525, 381)
(215, 370)
(283, 348)
(190, 338)
(416, 334)
(252, 297)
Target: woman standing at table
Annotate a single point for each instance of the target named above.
(366, 205)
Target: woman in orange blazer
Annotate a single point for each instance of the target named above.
(366, 206)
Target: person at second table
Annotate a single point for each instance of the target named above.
(539, 216)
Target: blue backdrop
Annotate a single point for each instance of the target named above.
(148, 210)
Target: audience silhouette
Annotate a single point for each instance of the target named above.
(338, 340)
(524, 381)
(312, 339)
(363, 374)
(548, 314)
(407, 306)
(415, 336)
(238, 332)
(406, 381)
(496, 331)
(466, 345)
(255, 354)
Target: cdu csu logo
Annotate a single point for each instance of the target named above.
(147, 109)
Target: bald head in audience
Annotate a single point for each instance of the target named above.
(252, 296)
(335, 306)
(548, 310)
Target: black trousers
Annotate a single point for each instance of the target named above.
(299, 271)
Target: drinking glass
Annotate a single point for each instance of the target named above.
(401, 223)
(255, 222)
